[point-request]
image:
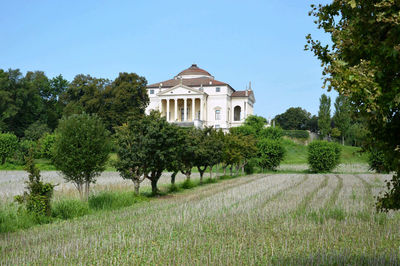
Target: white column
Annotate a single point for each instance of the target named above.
(176, 109)
(193, 107)
(167, 109)
(184, 109)
(161, 109)
(201, 109)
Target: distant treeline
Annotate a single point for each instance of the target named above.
(32, 104)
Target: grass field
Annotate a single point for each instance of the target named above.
(297, 154)
(260, 219)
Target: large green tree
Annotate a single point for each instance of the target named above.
(294, 118)
(324, 116)
(363, 62)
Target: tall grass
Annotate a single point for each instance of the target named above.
(285, 219)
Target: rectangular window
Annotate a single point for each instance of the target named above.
(151, 91)
(217, 114)
(217, 126)
(217, 89)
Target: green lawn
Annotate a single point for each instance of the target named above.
(297, 154)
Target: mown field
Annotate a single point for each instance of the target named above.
(259, 219)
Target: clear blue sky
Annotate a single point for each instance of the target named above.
(236, 41)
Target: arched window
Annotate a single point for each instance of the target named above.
(237, 113)
(218, 114)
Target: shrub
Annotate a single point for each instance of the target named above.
(39, 194)
(297, 134)
(68, 209)
(46, 145)
(24, 147)
(188, 184)
(378, 163)
(323, 156)
(275, 133)
(271, 153)
(249, 167)
(36, 130)
(8, 145)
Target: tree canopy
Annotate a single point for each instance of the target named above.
(363, 63)
(294, 118)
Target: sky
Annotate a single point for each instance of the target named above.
(236, 41)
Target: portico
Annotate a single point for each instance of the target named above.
(182, 109)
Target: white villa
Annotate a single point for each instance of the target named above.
(195, 98)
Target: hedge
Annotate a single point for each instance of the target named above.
(297, 134)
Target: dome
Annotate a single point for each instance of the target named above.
(193, 71)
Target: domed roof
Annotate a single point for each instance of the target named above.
(194, 70)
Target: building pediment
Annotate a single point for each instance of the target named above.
(180, 89)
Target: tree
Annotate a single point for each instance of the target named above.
(342, 116)
(20, 100)
(208, 151)
(155, 140)
(81, 149)
(363, 63)
(231, 155)
(84, 94)
(312, 124)
(126, 97)
(130, 155)
(294, 118)
(324, 116)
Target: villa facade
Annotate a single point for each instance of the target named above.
(195, 98)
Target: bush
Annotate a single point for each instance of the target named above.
(68, 209)
(24, 146)
(323, 156)
(296, 134)
(8, 146)
(37, 198)
(249, 167)
(36, 130)
(188, 184)
(271, 153)
(275, 133)
(377, 162)
(108, 200)
(46, 145)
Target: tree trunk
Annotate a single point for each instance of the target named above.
(237, 169)
(231, 169)
(173, 178)
(79, 187)
(217, 170)
(136, 183)
(188, 173)
(225, 170)
(201, 171)
(343, 140)
(243, 169)
(211, 172)
(87, 186)
(154, 187)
